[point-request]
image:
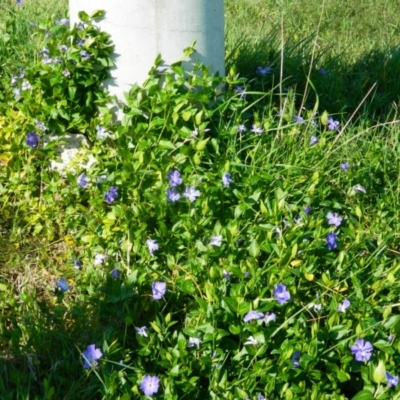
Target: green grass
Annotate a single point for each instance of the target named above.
(356, 41)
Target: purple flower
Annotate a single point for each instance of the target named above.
(226, 179)
(281, 294)
(342, 307)
(111, 195)
(393, 381)
(252, 315)
(159, 289)
(216, 241)
(84, 55)
(18, 3)
(173, 195)
(101, 132)
(241, 128)
(152, 246)
(80, 42)
(62, 285)
(333, 125)
(298, 119)
(344, 166)
(331, 240)
(149, 385)
(90, 355)
(390, 338)
(323, 71)
(263, 70)
(115, 273)
(191, 193)
(257, 129)
(307, 209)
(80, 26)
(227, 275)
(269, 317)
(141, 331)
(32, 139)
(362, 350)
(26, 85)
(82, 181)
(313, 140)
(334, 219)
(174, 178)
(296, 359)
(63, 21)
(240, 90)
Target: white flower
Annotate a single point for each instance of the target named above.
(216, 241)
(99, 259)
(251, 340)
(334, 219)
(26, 85)
(359, 188)
(317, 307)
(101, 132)
(191, 193)
(257, 129)
(269, 317)
(152, 246)
(141, 331)
(194, 342)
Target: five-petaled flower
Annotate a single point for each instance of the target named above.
(194, 342)
(313, 140)
(269, 317)
(149, 385)
(298, 119)
(141, 331)
(63, 285)
(332, 124)
(241, 128)
(90, 355)
(263, 70)
(84, 55)
(82, 181)
(216, 241)
(191, 193)
(251, 340)
(331, 239)
(252, 315)
(281, 294)
(115, 273)
(101, 132)
(392, 380)
(173, 195)
(334, 219)
(257, 129)
(32, 139)
(344, 166)
(174, 178)
(342, 307)
(226, 179)
(99, 259)
(362, 350)
(111, 195)
(152, 246)
(159, 289)
(307, 209)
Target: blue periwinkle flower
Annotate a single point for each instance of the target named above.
(173, 195)
(263, 70)
(84, 55)
(313, 140)
(281, 294)
(141, 331)
(62, 285)
(331, 241)
(111, 195)
(90, 355)
(216, 241)
(344, 166)
(252, 315)
(334, 219)
(150, 385)
(18, 3)
(115, 273)
(296, 359)
(32, 139)
(342, 307)
(393, 380)
(159, 289)
(226, 179)
(241, 128)
(298, 119)
(333, 125)
(307, 209)
(152, 246)
(174, 178)
(82, 181)
(257, 129)
(191, 193)
(362, 350)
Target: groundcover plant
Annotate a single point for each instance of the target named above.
(225, 243)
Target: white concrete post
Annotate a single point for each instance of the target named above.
(142, 29)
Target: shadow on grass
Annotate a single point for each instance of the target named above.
(339, 85)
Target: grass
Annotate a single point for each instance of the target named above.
(356, 41)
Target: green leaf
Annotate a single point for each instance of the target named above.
(363, 395)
